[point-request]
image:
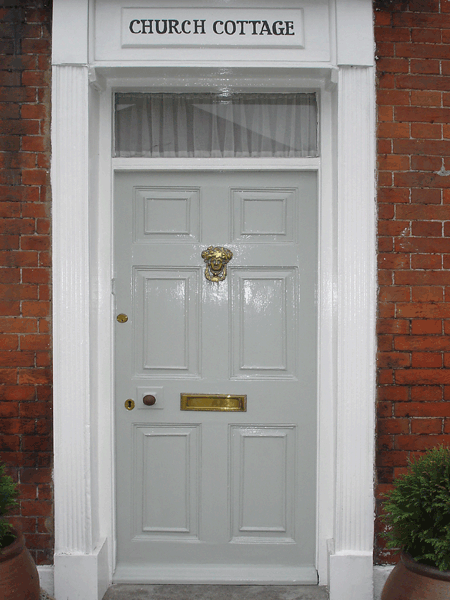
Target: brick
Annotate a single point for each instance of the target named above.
(34, 143)
(426, 261)
(393, 97)
(397, 326)
(393, 261)
(425, 98)
(430, 36)
(422, 245)
(35, 78)
(35, 309)
(394, 130)
(35, 342)
(394, 196)
(423, 212)
(385, 244)
(395, 162)
(422, 342)
(426, 131)
(426, 66)
(426, 229)
(419, 180)
(396, 457)
(421, 442)
(36, 242)
(32, 46)
(8, 410)
(393, 426)
(35, 508)
(422, 82)
(394, 294)
(18, 325)
(19, 127)
(422, 278)
(429, 393)
(426, 163)
(385, 113)
(426, 326)
(426, 360)
(33, 111)
(394, 393)
(393, 359)
(16, 393)
(385, 343)
(33, 410)
(34, 176)
(423, 310)
(34, 376)
(427, 294)
(393, 228)
(426, 196)
(422, 376)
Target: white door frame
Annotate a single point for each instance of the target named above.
(82, 320)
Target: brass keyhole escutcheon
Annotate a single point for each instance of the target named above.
(122, 318)
(129, 404)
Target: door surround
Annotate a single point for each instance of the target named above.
(81, 181)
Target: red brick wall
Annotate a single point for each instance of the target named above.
(25, 357)
(413, 68)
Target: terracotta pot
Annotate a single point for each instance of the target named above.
(19, 579)
(410, 580)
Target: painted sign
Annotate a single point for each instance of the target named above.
(212, 27)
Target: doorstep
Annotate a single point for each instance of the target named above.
(123, 591)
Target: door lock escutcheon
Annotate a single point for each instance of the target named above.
(122, 318)
(129, 404)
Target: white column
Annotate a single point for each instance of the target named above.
(76, 554)
(351, 562)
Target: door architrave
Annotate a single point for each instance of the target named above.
(95, 501)
(268, 81)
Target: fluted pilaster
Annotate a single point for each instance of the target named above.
(71, 309)
(356, 311)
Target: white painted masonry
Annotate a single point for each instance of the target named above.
(339, 66)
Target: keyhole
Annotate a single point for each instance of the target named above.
(129, 404)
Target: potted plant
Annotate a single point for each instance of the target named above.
(19, 579)
(417, 514)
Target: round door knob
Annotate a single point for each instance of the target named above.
(149, 400)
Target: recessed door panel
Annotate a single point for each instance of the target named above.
(263, 491)
(216, 495)
(165, 506)
(166, 304)
(264, 323)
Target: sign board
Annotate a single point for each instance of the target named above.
(212, 27)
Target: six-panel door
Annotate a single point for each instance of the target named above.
(202, 495)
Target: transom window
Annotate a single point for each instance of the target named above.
(215, 125)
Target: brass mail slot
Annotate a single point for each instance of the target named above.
(223, 402)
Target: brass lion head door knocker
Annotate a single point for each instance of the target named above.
(216, 260)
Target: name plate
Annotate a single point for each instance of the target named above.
(212, 27)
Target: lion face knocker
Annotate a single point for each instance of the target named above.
(216, 260)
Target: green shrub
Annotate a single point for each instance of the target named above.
(8, 495)
(417, 510)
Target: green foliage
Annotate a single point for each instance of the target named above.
(417, 510)
(8, 495)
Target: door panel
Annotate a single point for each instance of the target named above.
(216, 496)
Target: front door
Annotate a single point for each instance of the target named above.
(219, 496)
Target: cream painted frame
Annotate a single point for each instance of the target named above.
(82, 270)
